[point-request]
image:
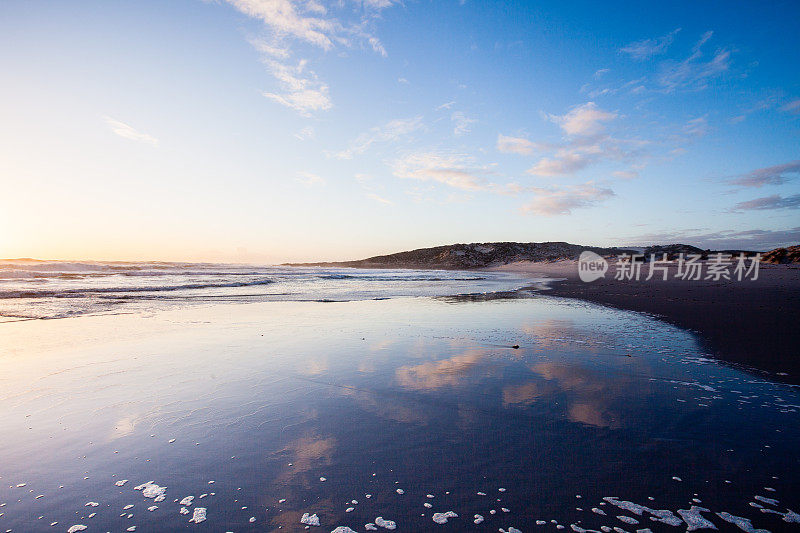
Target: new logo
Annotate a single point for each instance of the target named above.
(591, 266)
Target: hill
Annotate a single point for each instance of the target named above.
(475, 255)
(482, 255)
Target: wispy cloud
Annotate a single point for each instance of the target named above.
(301, 89)
(270, 50)
(566, 161)
(752, 239)
(692, 73)
(625, 174)
(585, 119)
(452, 169)
(306, 132)
(309, 179)
(312, 23)
(563, 200)
(695, 72)
(379, 199)
(775, 175)
(647, 48)
(586, 143)
(792, 107)
(517, 145)
(392, 131)
(460, 171)
(462, 123)
(128, 132)
(301, 20)
(696, 127)
(768, 203)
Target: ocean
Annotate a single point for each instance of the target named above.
(60, 289)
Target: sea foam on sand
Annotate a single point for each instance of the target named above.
(742, 523)
(199, 515)
(388, 524)
(309, 520)
(441, 518)
(693, 518)
(659, 515)
(151, 490)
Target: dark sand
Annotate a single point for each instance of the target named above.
(755, 323)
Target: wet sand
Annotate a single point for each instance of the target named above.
(755, 323)
(495, 414)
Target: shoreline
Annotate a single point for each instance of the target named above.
(751, 323)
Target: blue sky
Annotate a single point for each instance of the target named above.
(272, 130)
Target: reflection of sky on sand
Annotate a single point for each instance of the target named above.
(437, 374)
(591, 394)
(554, 334)
(588, 394)
(419, 394)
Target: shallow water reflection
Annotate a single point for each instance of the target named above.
(264, 412)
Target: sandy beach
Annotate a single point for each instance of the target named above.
(750, 322)
(189, 396)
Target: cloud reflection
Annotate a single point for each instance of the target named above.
(437, 374)
(590, 395)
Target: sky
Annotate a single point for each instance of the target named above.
(283, 130)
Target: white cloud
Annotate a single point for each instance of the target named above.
(454, 170)
(460, 171)
(517, 145)
(585, 119)
(273, 50)
(463, 124)
(305, 133)
(377, 4)
(292, 19)
(561, 201)
(578, 154)
(585, 144)
(392, 131)
(648, 48)
(310, 22)
(625, 174)
(302, 90)
(309, 179)
(446, 105)
(379, 199)
(128, 132)
(566, 162)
